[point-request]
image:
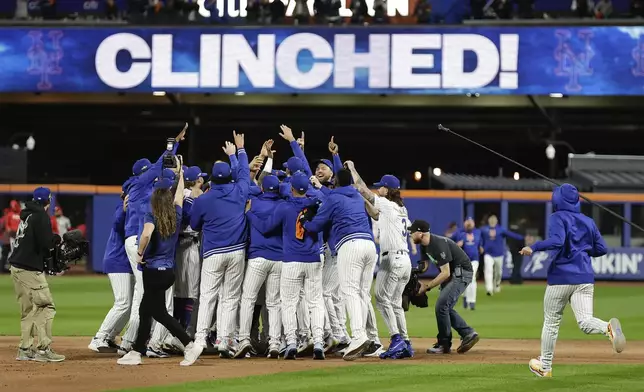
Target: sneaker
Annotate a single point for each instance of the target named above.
(356, 348)
(243, 349)
(467, 343)
(330, 343)
(48, 355)
(438, 349)
(130, 359)
(273, 351)
(124, 349)
(291, 352)
(282, 349)
(536, 367)
(318, 351)
(25, 354)
(102, 346)
(373, 350)
(192, 353)
(342, 345)
(153, 352)
(616, 335)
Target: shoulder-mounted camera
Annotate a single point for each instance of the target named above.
(71, 248)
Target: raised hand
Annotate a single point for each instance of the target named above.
(182, 135)
(229, 148)
(300, 141)
(349, 165)
(333, 148)
(239, 139)
(287, 133)
(267, 152)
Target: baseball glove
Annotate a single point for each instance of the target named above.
(410, 293)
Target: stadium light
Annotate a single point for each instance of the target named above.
(437, 171)
(556, 95)
(516, 176)
(31, 143)
(550, 152)
(417, 176)
(159, 93)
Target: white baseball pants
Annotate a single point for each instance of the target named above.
(392, 277)
(295, 277)
(330, 293)
(259, 271)
(188, 270)
(131, 249)
(555, 300)
(221, 275)
(356, 265)
(303, 317)
(493, 272)
(116, 318)
(470, 291)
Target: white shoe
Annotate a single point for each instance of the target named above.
(192, 353)
(374, 350)
(243, 349)
(93, 345)
(356, 348)
(497, 289)
(616, 335)
(101, 346)
(131, 358)
(536, 367)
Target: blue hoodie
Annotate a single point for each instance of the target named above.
(139, 192)
(115, 260)
(298, 244)
(573, 238)
(344, 210)
(219, 213)
(472, 242)
(494, 239)
(269, 245)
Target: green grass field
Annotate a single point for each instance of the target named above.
(516, 313)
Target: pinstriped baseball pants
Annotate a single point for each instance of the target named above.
(116, 318)
(296, 276)
(555, 300)
(133, 324)
(392, 277)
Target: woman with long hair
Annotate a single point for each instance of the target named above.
(157, 243)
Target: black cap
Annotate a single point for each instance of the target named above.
(419, 226)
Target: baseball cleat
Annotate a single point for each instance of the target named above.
(153, 352)
(489, 294)
(291, 352)
(102, 346)
(305, 348)
(373, 350)
(130, 359)
(616, 335)
(243, 349)
(318, 351)
(467, 343)
(192, 353)
(356, 348)
(536, 367)
(344, 343)
(226, 350)
(438, 349)
(93, 345)
(273, 351)
(121, 351)
(25, 354)
(410, 350)
(497, 289)
(330, 343)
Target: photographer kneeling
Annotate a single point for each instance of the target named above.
(157, 242)
(32, 247)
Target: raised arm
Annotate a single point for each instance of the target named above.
(287, 134)
(372, 210)
(360, 184)
(178, 194)
(243, 172)
(333, 149)
(512, 234)
(266, 153)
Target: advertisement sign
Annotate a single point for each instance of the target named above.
(422, 60)
(618, 264)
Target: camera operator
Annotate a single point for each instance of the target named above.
(31, 248)
(156, 255)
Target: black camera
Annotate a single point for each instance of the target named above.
(169, 161)
(72, 247)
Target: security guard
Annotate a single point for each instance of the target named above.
(454, 277)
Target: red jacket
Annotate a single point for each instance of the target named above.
(12, 221)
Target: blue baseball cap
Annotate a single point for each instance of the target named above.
(270, 183)
(163, 183)
(141, 166)
(126, 185)
(300, 182)
(469, 218)
(325, 162)
(221, 170)
(169, 174)
(193, 173)
(294, 164)
(388, 181)
(280, 174)
(42, 194)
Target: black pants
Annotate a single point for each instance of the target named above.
(446, 317)
(155, 284)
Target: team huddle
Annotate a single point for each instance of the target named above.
(294, 249)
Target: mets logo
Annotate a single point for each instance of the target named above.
(44, 56)
(638, 56)
(570, 63)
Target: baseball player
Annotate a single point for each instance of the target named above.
(344, 209)
(301, 268)
(144, 174)
(220, 215)
(573, 239)
(264, 267)
(454, 276)
(117, 267)
(470, 240)
(494, 251)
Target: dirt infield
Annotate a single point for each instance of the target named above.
(86, 371)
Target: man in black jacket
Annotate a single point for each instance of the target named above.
(32, 245)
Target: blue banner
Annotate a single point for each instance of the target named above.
(618, 264)
(601, 60)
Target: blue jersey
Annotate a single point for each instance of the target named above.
(297, 244)
(472, 242)
(268, 245)
(573, 239)
(161, 251)
(494, 239)
(115, 260)
(219, 213)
